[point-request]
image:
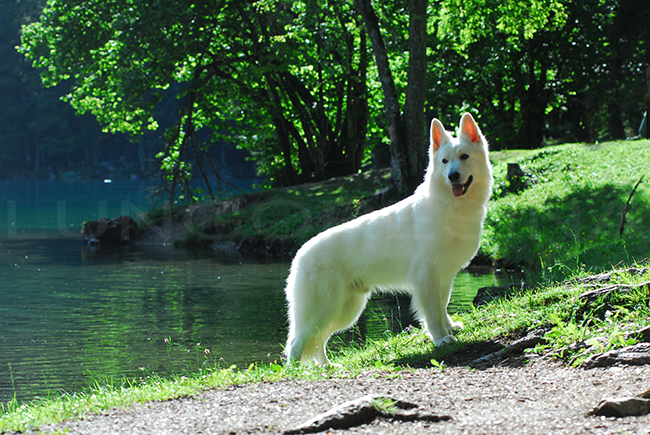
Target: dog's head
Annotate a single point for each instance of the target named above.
(461, 161)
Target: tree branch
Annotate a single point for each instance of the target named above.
(627, 204)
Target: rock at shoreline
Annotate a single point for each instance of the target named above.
(117, 231)
(489, 294)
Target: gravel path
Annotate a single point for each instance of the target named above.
(536, 398)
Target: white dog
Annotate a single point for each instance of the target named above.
(417, 245)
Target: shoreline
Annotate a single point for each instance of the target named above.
(536, 330)
(566, 231)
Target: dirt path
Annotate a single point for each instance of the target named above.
(537, 398)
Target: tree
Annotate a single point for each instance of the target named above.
(578, 76)
(284, 79)
(408, 144)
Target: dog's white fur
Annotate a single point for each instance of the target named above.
(417, 245)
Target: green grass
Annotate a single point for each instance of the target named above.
(107, 394)
(571, 213)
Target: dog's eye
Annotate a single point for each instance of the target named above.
(445, 161)
(464, 156)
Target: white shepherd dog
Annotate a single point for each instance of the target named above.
(417, 245)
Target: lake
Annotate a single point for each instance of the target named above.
(70, 315)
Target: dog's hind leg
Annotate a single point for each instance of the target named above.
(313, 300)
(313, 324)
(345, 316)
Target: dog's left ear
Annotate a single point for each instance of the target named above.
(469, 128)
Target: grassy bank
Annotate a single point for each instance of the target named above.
(569, 216)
(566, 217)
(283, 219)
(565, 224)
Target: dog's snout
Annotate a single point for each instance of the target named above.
(453, 176)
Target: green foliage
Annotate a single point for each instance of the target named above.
(285, 80)
(384, 404)
(294, 82)
(541, 72)
(438, 365)
(469, 21)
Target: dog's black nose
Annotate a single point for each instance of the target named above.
(453, 176)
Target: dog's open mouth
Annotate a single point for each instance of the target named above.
(460, 189)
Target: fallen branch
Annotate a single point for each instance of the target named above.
(591, 296)
(518, 346)
(627, 204)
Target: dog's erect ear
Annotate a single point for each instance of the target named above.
(469, 128)
(438, 134)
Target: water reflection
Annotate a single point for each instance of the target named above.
(69, 315)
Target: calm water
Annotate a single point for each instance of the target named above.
(70, 315)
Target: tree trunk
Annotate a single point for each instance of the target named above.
(355, 122)
(280, 123)
(614, 122)
(414, 122)
(398, 162)
(533, 102)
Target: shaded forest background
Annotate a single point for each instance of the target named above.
(302, 91)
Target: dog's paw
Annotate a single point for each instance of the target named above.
(334, 365)
(447, 339)
(457, 326)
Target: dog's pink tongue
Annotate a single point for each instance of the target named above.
(457, 189)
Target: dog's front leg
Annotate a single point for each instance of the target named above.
(430, 300)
